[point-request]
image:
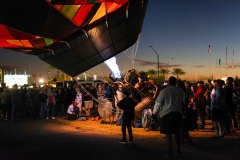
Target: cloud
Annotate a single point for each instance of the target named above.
(232, 66)
(173, 65)
(198, 66)
(161, 65)
(236, 66)
(147, 63)
(229, 66)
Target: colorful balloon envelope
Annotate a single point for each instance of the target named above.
(71, 35)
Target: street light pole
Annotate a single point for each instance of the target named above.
(157, 62)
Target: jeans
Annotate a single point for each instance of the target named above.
(43, 109)
(51, 110)
(127, 124)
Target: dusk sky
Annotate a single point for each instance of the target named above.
(180, 31)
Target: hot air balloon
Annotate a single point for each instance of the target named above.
(71, 35)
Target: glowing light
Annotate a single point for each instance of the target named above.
(20, 80)
(94, 77)
(85, 76)
(41, 80)
(112, 64)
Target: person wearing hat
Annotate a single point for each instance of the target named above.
(127, 104)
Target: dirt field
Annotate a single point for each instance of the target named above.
(204, 145)
(62, 139)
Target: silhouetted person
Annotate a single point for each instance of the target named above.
(230, 117)
(168, 106)
(127, 104)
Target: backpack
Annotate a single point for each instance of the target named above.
(235, 97)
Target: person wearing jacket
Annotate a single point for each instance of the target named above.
(168, 107)
(218, 104)
(127, 104)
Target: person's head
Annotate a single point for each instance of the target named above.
(15, 86)
(75, 104)
(151, 81)
(99, 88)
(73, 85)
(34, 85)
(126, 92)
(180, 83)
(50, 90)
(209, 81)
(236, 83)
(214, 83)
(3, 85)
(187, 85)
(77, 88)
(200, 83)
(192, 87)
(229, 80)
(219, 83)
(87, 85)
(120, 87)
(172, 81)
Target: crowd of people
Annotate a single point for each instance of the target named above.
(217, 101)
(71, 101)
(47, 102)
(180, 106)
(183, 107)
(33, 103)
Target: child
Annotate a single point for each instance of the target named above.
(127, 104)
(72, 111)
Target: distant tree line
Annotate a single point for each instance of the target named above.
(163, 74)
